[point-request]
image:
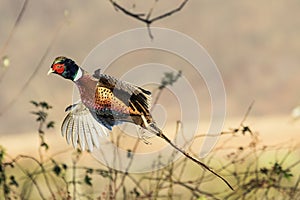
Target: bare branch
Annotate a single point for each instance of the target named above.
(247, 113)
(167, 14)
(147, 18)
(131, 14)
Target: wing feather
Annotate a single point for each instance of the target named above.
(129, 94)
(81, 133)
(80, 127)
(64, 126)
(69, 129)
(87, 134)
(75, 132)
(93, 132)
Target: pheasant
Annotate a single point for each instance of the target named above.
(106, 102)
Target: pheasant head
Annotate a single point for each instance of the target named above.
(66, 68)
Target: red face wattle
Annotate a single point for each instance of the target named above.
(58, 68)
(64, 67)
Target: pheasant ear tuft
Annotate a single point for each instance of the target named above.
(97, 73)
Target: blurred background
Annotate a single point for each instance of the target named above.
(255, 45)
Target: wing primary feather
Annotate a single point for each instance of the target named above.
(97, 127)
(69, 129)
(81, 134)
(64, 126)
(87, 133)
(80, 128)
(75, 132)
(103, 130)
(93, 131)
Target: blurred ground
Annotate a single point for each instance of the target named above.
(255, 44)
(280, 132)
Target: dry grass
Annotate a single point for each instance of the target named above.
(255, 169)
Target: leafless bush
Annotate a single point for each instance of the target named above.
(255, 170)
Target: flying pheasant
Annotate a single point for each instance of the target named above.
(107, 101)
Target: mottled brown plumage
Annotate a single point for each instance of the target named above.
(112, 101)
(109, 100)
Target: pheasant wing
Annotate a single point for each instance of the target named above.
(79, 127)
(134, 97)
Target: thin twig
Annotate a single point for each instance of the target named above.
(34, 73)
(13, 30)
(247, 113)
(29, 175)
(163, 136)
(147, 18)
(128, 166)
(74, 179)
(167, 14)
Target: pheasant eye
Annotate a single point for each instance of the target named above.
(58, 68)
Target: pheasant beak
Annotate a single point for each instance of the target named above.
(50, 71)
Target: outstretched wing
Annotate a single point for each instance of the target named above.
(134, 97)
(80, 127)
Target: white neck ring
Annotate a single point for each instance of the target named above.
(78, 75)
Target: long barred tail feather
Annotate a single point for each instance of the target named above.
(154, 129)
